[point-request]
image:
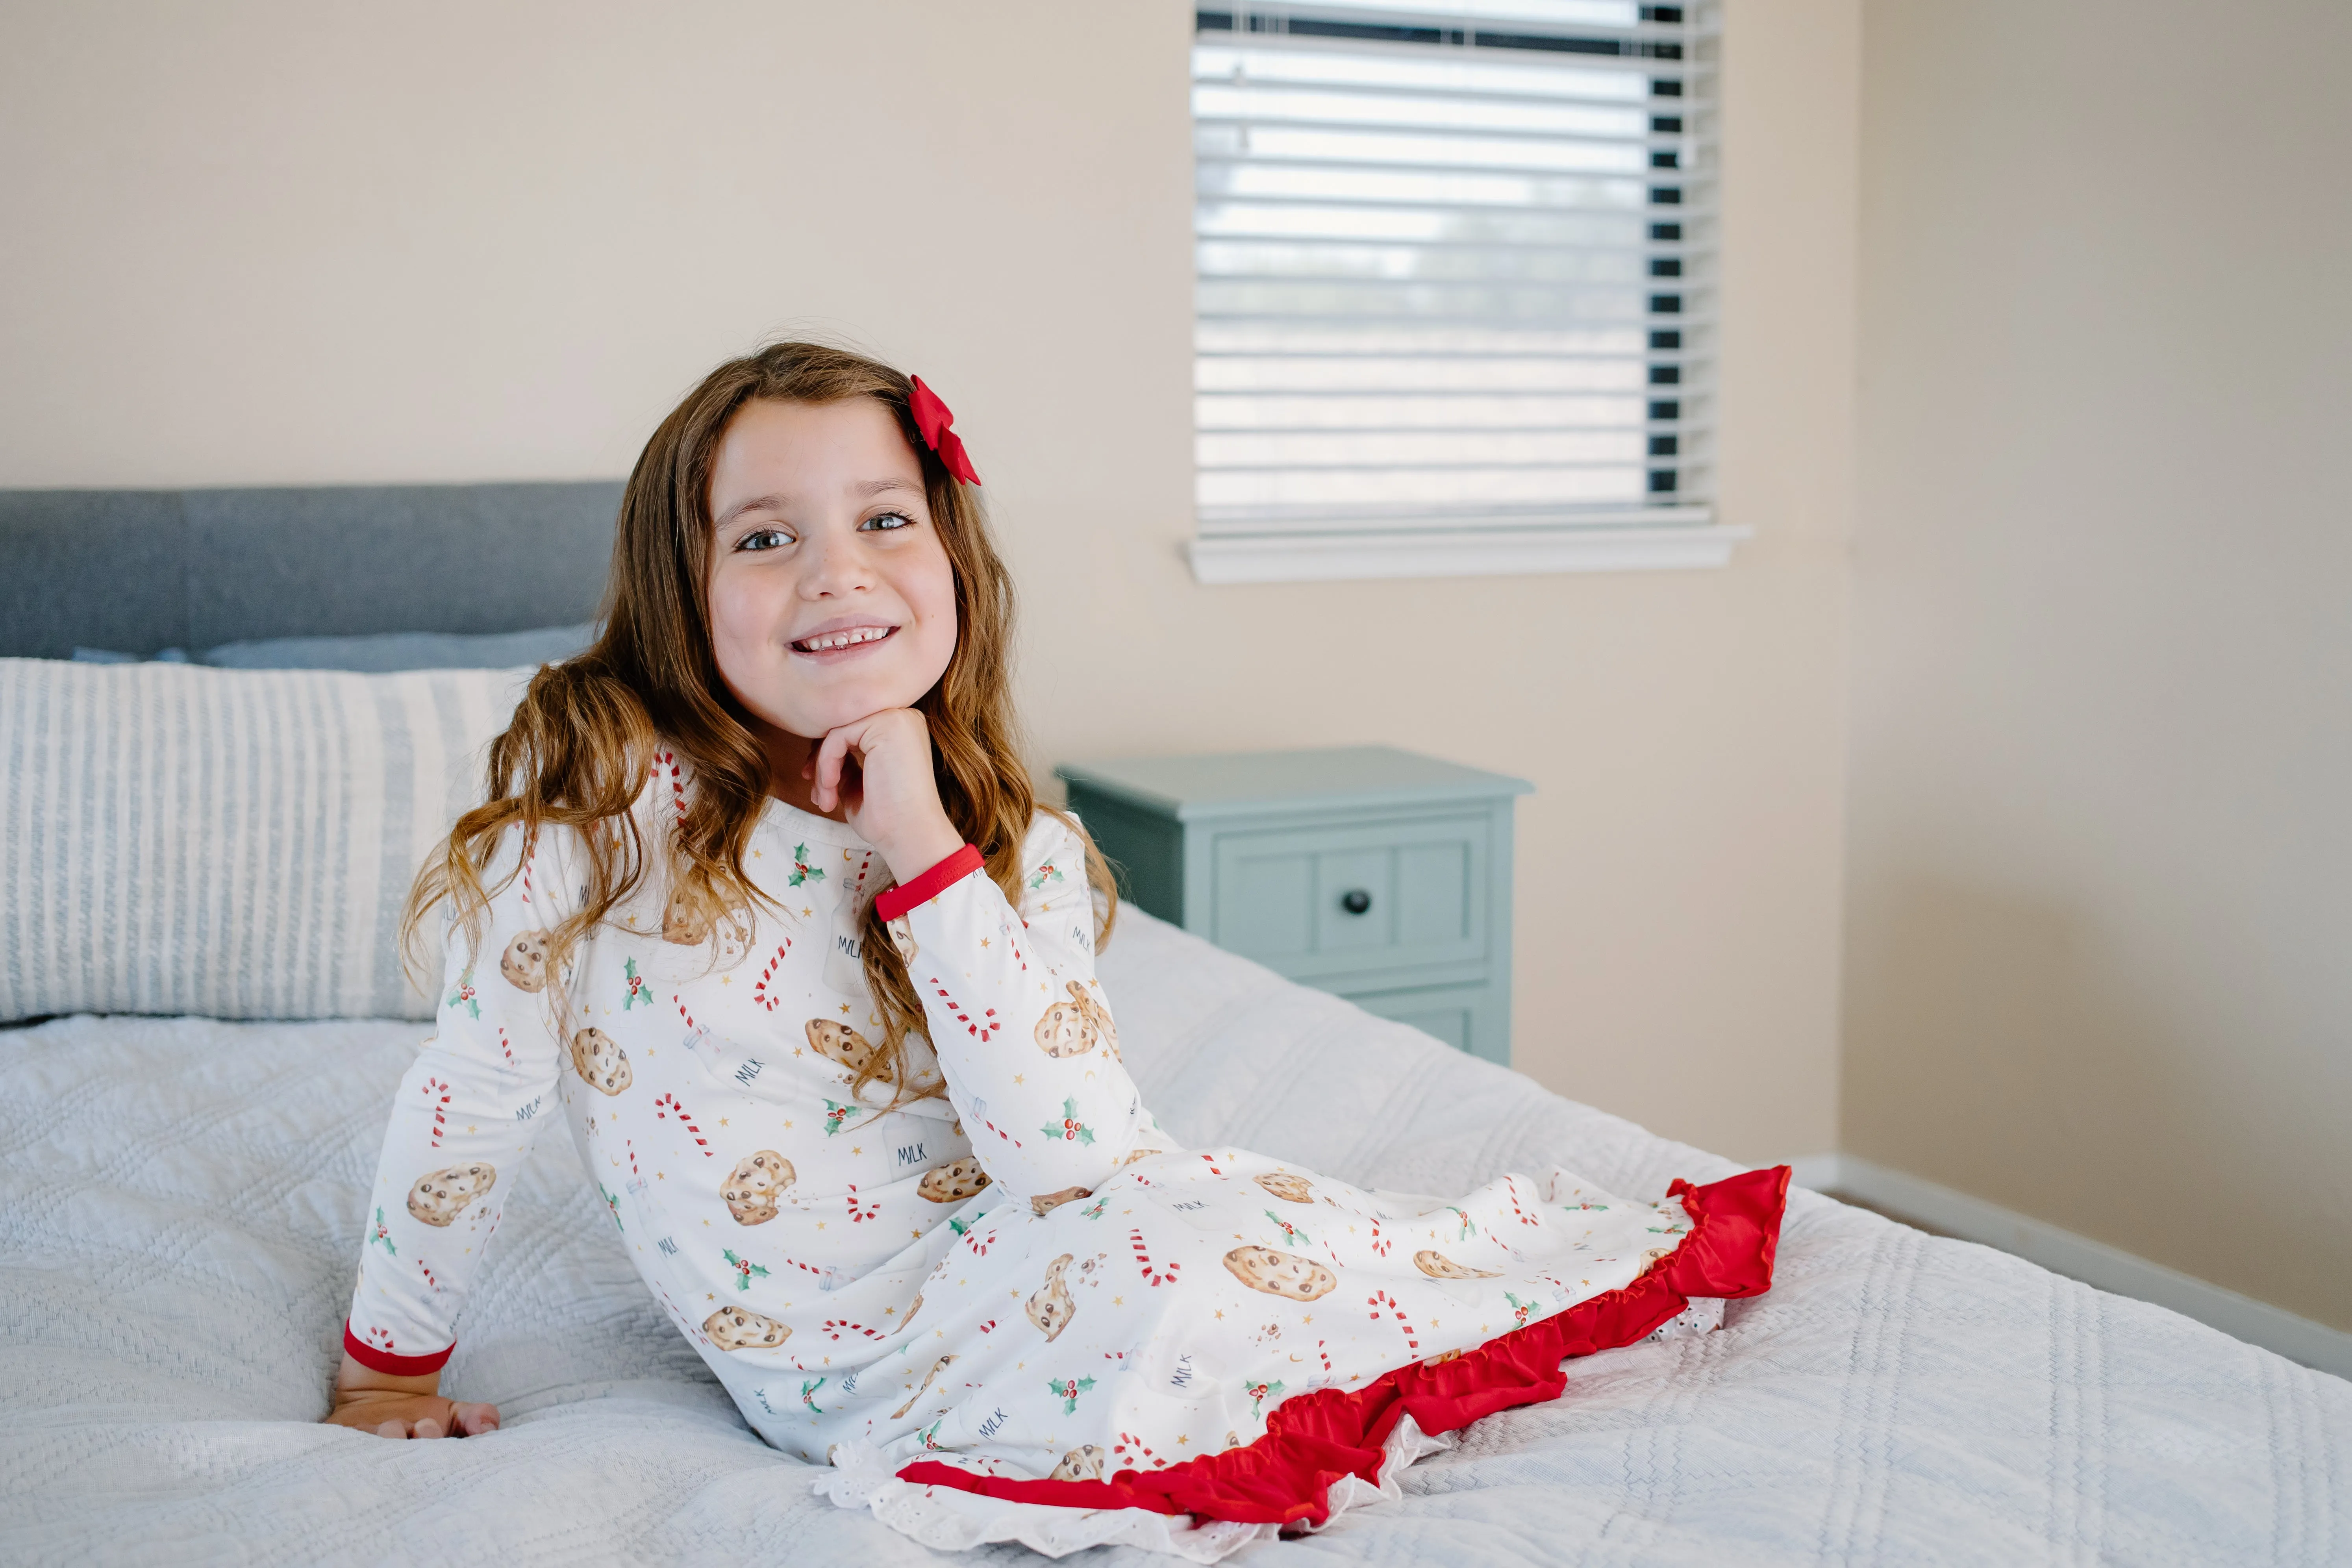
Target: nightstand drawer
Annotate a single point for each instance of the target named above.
(1457, 1015)
(1401, 896)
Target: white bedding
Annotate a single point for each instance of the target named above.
(179, 1217)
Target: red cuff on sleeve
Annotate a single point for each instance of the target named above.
(391, 1365)
(896, 901)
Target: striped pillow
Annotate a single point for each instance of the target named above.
(230, 843)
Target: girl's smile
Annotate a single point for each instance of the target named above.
(840, 637)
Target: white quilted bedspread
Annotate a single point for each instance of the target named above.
(180, 1218)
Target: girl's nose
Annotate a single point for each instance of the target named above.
(837, 564)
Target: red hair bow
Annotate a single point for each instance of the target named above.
(932, 419)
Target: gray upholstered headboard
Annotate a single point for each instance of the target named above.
(139, 571)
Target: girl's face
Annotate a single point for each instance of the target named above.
(831, 594)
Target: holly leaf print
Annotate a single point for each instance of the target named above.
(383, 1236)
(837, 1115)
(808, 1397)
(1069, 1128)
(1259, 1392)
(745, 1269)
(610, 1203)
(1068, 1389)
(1046, 873)
(801, 870)
(639, 990)
(464, 994)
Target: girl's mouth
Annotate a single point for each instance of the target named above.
(842, 640)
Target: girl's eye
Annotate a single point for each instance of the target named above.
(885, 522)
(764, 539)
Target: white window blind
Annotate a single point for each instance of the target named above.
(1454, 282)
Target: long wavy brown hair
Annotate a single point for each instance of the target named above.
(581, 749)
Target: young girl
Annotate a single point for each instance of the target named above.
(763, 905)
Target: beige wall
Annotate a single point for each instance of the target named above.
(284, 242)
(2100, 961)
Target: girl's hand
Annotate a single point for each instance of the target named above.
(879, 768)
(404, 1406)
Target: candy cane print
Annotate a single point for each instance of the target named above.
(1375, 1300)
(1129, 1442)
(983, 1031)
(1326, 1356)
(506, 1047)
(440, 1107)
(1153, 1277)
(1212, 1164)
(832, 1327)
(1511, 1188)
(668, 761)
(681, 1010)
(429, 1280)
(668, 1105)
(861, 1210)
(761, 994)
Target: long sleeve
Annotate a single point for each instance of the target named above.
(1022, 1030)
(467, 1115)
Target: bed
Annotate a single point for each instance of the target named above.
(180, 1208)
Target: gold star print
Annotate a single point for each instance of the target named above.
(983, 941)
(708, 1296)
(1220, 1312)
(805, 913)
(755, 854)
(1433, 1322)
(797, 1050)
(1018, 1078)
(889, 1312)
(1121, 1301)
(855, 1150)
(722, 1122)
(844, 1006)
(1307, 1319)
(723, 980)
(820, 1225)
(916, 1234)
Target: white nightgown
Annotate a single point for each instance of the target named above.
(1025, 1277)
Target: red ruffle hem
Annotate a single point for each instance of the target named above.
(1311, 1441)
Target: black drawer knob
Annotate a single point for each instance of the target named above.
(1355, 900)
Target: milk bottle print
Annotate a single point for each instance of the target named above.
(845, 970)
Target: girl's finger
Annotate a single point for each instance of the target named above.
(392, 1429)
(829, 757)
(474, 1420)
(429, 1427)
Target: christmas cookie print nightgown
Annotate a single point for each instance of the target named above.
(1023, 1274)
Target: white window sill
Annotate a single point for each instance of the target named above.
(1652, 539)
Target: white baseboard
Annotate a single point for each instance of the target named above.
(2079, 1258)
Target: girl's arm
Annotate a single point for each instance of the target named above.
(1022, 1029)
(462, 1122)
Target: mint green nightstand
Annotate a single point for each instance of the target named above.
(1375, 873)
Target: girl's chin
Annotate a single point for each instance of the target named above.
(815, 722)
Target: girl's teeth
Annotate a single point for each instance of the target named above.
(843, 639)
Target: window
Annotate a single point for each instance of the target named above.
(1454, 306)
